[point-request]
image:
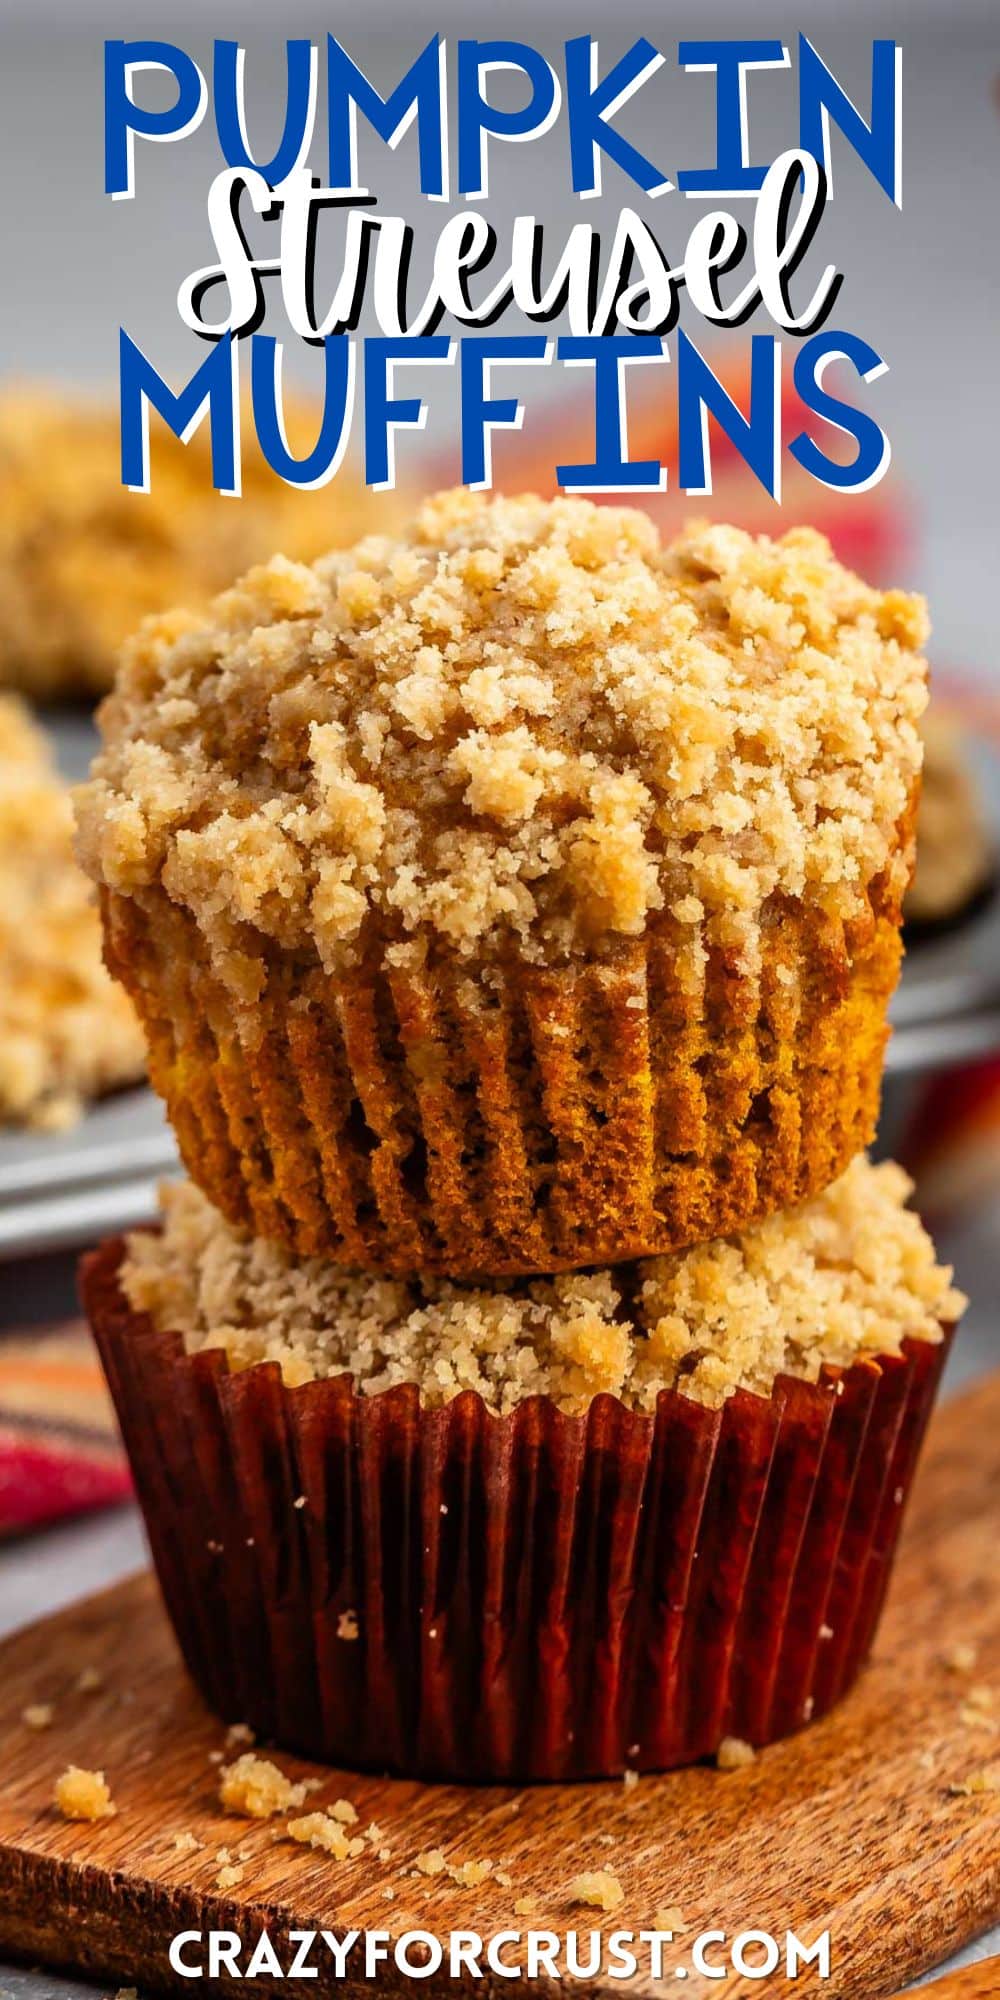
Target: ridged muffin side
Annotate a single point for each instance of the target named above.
(401, 1119)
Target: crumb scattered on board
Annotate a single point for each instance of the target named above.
(960, 1658)
(256, 1788)
(38, 1715)
(986, 1780)
(83, 1795)
(320, 1830)
(597, 1888)
(976, 1711)
(733, 1754)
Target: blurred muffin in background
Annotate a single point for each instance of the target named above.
(955, 859)
(67, 1032)
(83, 559)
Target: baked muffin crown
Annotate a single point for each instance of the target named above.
(526, 722)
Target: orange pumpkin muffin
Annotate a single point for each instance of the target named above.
(83, 560)
(546, 1528)
(518, 894)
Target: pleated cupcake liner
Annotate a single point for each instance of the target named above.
(428, 1119)
(450, 1594)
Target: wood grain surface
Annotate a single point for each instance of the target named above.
(881, 1824)
(976, 1982)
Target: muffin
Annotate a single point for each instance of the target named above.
(517, 895)
(537, 1529)
(67, 1031)
(83, 559)
(956, 865)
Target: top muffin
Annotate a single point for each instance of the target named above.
(523, 722)
(519, 894)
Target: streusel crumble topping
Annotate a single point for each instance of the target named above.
(852, 1272)
(527, 720)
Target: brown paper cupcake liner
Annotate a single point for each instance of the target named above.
(449, 1594)
(424, 1120)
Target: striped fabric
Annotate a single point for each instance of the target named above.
(59, 1447)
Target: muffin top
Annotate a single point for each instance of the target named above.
(850, 1273)
(83, 560)
(67, 1031)
(525, 724)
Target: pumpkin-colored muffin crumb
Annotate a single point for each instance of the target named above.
(526, 719)
(67, 1031)
(850, 1273)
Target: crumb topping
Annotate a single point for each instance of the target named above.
(526, 722)
(960, 1658)
(67, 1031)
(83, 1795)
(323, 1831)
(256, 1788)
(598, 1889)
(851, 1272)
(734, 1755)
(980, 1782)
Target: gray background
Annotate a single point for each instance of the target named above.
(922, 285)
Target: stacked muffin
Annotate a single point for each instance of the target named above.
(529, 1380)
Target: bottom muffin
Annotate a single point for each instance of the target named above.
(556, 1528)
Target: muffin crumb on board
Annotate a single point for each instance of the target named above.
(255, 1788)
(83, 1795)
(597, 1888)
(734, 1755)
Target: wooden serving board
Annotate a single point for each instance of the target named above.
(857, 1826)
(977, 1982)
